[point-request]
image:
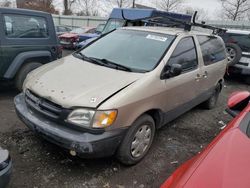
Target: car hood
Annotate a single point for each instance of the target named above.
(71, 82)
(226, 165)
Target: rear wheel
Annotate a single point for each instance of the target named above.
(137, 141)
(23, 72)
(212, 101)
(233, 53)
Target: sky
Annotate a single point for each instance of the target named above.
(212, 7)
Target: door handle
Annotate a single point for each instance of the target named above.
(205, 74)
(198, 77)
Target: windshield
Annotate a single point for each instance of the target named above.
(112, 24)
(100, 28)
(138, 50)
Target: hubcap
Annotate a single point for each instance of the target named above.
(231, 54)
(141, 141)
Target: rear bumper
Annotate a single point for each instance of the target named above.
(85, 144)
(242, 67)
(5, 175)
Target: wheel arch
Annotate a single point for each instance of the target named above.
(26, 57)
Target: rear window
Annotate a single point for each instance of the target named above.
(243, 40)
(212, 48)
(22, 26)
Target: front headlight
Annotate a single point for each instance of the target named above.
(82, 117)
(91, 118)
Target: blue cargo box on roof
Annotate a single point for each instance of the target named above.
(116, 20)
(133, 14)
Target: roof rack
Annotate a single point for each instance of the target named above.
(174, 22)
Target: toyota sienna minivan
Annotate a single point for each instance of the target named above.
(110, 97)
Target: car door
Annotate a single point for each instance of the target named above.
(182, 92)
(213, 56)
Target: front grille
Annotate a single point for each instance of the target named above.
(42, 105)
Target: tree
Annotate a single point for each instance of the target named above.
(169, 5)
(5, 3)
(235, 9)
(202, 14)
(42, 5)
(107, 5)
(86, 7)
(67, 6)
(120, 3)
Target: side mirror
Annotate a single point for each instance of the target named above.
(171, 71)
(237, 101)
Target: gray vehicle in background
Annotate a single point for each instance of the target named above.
(238, 49)
(5, 168)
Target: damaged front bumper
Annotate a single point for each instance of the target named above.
(85, 144)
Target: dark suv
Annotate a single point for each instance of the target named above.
(238, 49)
(27, 41)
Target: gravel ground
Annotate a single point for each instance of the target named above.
(38, 163)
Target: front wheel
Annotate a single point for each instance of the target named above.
(137, 141)
(23, 72)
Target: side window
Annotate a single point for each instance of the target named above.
(21, 26)
(185, 54)
(212, 49)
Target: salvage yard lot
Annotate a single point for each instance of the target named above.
(38, 163)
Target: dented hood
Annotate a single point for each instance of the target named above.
(73, 82)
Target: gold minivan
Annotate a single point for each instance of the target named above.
(110, 97)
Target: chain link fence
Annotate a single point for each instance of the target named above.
(91, 21)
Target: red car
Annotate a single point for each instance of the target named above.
(69, 40)
(225, 163)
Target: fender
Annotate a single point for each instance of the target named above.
(20, 60)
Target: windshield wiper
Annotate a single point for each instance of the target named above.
(113, 64)
(89, 59)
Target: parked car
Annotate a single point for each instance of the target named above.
(60, 29)
(5, 168)
(25, 47)
(115, 96)
(122, 17)
(225, 161)
(238, 48)
(91, 37)
(69, 40)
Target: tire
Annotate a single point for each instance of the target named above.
(234, 53)
(128, 155)
(23, 72)
(212, 101)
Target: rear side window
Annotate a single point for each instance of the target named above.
(242, 40)
(22, 26)
(212, 49)
(185, 54)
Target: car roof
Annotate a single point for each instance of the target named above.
(243, 32)
(23, 11)
(165, 30)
